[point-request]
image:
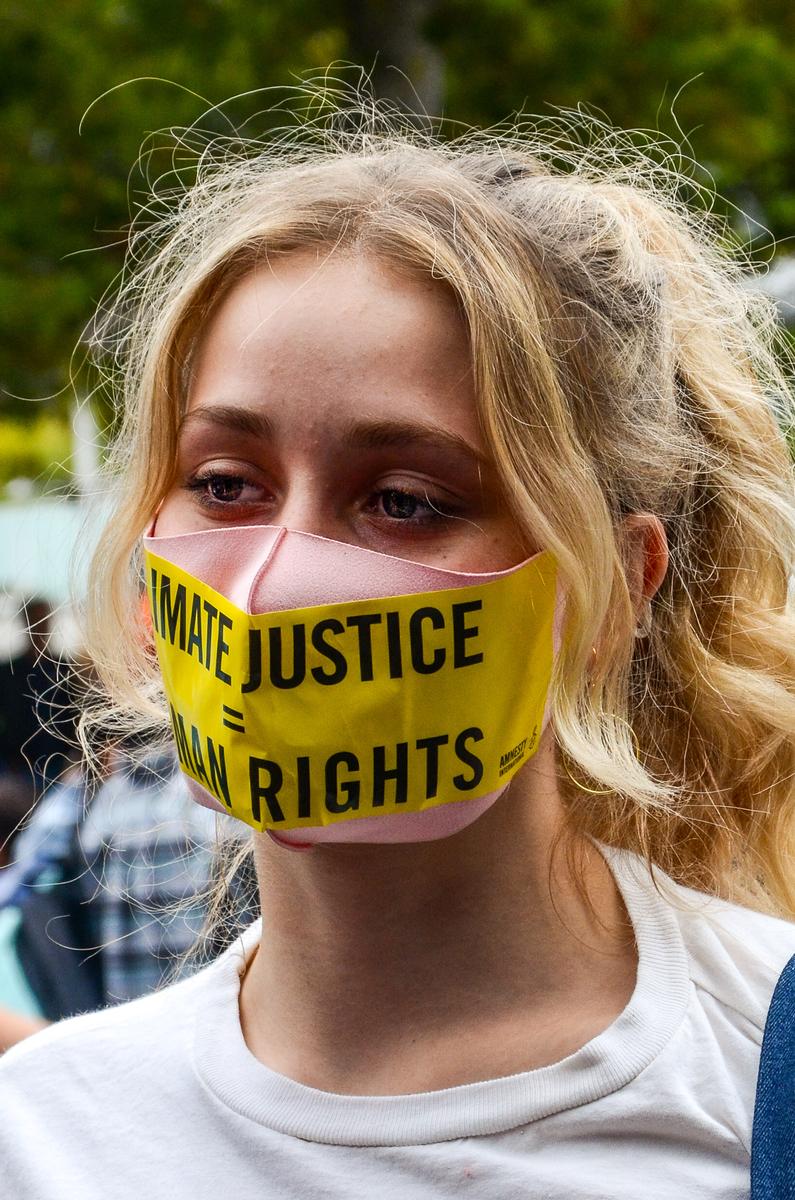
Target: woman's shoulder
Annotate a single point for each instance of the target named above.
(122, 1042)
(735, 954)
(97, 1042)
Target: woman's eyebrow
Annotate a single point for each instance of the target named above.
(361, 434)
(377, 435)
(230, 416)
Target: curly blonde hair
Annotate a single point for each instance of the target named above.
(621, 367)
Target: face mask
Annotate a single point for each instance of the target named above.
(324, 692)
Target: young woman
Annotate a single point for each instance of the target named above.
(456, 479)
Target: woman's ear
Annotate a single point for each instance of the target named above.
(646, 555)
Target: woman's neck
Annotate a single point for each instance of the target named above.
(393, 969)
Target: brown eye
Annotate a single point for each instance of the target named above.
(225, 487)
(400, 505)
(218, 490)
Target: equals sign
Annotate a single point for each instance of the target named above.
(236, 721)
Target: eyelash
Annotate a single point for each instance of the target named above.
(437, 512)
(198, 485)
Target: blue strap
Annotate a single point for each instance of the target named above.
(773, 1137)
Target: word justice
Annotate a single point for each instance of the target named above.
(422, 641)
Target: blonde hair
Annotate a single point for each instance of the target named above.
(621, 367)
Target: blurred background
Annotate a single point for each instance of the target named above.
(87, 85)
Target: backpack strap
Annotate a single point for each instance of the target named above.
(773, 1137)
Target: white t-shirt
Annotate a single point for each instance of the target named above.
(161, 1097)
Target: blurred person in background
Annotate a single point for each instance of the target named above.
(37, 710)
(108, 892)
(105, 889)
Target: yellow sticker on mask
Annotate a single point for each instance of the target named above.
(357, 709)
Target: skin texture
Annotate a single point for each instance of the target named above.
(334, 396)
(15, 1026)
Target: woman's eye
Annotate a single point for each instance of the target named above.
(397, 504)
(225, 487)
(218, 489)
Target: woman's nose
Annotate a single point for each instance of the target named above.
(307, 508)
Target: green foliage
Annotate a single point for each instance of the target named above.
(66, 201)
(68, 191)
(727, 67)
(36, 449)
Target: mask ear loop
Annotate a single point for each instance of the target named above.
(644, 624)
(150, 529)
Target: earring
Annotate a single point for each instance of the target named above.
(599, 791)
(581, 786)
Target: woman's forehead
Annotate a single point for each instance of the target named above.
(343, 334)
(324, 298)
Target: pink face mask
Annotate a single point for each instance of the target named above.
(328, 693)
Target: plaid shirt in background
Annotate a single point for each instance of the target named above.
(141, 854)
